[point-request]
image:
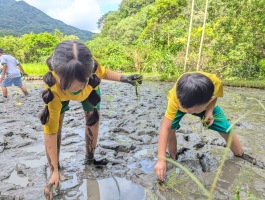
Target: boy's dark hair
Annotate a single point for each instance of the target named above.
(2, 51)
(71, 60)
(194, 89)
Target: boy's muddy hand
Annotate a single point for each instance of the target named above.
(160, 170)
(208, 118)
(52, 184)
(134, 79)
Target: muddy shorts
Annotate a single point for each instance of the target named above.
(86, 105)
(220, 124)
(17, 81)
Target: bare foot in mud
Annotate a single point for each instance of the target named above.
(103, 161)
(253, 160)
(249, 158)
(89, 161)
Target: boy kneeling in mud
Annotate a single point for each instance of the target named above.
(195, 93)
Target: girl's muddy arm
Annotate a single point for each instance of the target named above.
(50, 141)
(134, 79)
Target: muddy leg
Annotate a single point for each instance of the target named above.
(24, 90)
(236, 147)
(91, 135)
(172, 144)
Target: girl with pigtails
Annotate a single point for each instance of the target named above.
(73, 75)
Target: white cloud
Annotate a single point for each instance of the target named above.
(82, 14)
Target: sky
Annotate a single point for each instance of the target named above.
(82, 14)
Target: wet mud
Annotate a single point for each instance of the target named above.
(128, 135)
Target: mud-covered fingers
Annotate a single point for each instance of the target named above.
(48, 191)
(138, 79)
(134, 79)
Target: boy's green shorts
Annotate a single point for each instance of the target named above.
(220, 124)
(86, 105)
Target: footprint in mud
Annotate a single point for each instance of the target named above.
(207, 161)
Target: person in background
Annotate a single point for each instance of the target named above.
(10, 75)
(74, 74)
(195, 93)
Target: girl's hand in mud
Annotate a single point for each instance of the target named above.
(52, 184)
(208, 118)
(160, 169)
(134, 79)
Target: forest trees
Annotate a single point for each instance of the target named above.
(32, 47)
(153, 35)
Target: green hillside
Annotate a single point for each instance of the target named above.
(18, 18)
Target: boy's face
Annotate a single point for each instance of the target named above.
(196, 109)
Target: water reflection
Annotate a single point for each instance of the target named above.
(145, 161)
(113, 188)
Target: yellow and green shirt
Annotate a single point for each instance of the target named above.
(173, 103)
(60, 95)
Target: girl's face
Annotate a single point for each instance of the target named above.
(75, 86)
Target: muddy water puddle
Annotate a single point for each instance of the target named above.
(128, 136)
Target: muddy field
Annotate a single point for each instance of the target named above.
(128, 138)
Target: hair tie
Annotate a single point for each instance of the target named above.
(93, 88)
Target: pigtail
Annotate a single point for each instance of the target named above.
(93, 118)
(94, 80)
(93, 98)
(47, 94)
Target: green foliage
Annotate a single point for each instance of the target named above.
(111, 54)
(238, 35)
(33, 48)
(154, 35)
(38, 46)
(131, 7)
(38, 69)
